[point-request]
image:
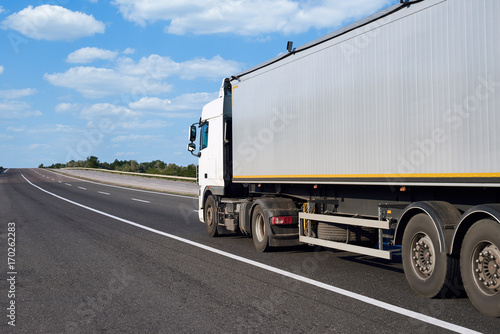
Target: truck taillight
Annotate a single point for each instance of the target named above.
(282, 220)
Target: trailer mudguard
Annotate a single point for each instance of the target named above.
(444, 216)
(468, 219)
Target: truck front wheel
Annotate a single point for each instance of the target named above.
(427, 270)
(260, 230)
(210, 216)
(480, 262)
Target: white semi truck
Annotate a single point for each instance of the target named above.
(383, 133)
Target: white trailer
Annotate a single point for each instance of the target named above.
(382, 133)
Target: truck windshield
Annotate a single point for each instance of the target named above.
(204, 136)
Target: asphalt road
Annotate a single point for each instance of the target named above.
(95, 258)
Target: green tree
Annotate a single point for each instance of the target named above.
(191, 170)
(92, 162)
(72, 163)
(153, 167)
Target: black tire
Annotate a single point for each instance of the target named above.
(260, 230)
(340, 233)
(210, 216)
(331, 232)
(429, 272)
(480, 263)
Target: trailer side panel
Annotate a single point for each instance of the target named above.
(409, 98)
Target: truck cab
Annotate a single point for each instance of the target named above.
(214, 164)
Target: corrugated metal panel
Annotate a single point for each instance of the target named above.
(413, 94)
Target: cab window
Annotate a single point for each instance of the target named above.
(204, 136)
(227, 88)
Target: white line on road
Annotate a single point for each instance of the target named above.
(82, 188)
(102, 192)
(69, 185)
(59, 181)
(140, 200)
(371, 301)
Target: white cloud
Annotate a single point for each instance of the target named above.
(128, 51)
(135, 125)
(89, 54)
(101, 110)
(44, 129)
(151, 103)
(53, 23)
(215, 68)
(132, 138)
(154, 65)
(95, 82)
(247, 17)
(17, 110)
(1, 69)
(37, 146)
(62, 108)
(1, 10)
(17, 129)
(163, 67)
(50, 128)
(12, 94)
(146, 77)
(166, 108)
(144, 11)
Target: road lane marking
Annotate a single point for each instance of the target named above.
(69, 185)
(59, 181)
(140, 200)
(102, 192)
(82, 188)
(371, 301)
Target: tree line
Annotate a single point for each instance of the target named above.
(153, 167)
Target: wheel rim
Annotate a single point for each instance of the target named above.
(485, 266)
(210, 216)
(422, 255)
(259, 227)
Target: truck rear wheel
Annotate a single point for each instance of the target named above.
(480, 262)
(427, 270)
(210, 216)
(260, 230)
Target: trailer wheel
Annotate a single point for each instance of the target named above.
(480, 262)
(427, 270)
(260, 230)
(210, 216)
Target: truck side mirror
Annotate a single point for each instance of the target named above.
(191, 147)
(192, 133)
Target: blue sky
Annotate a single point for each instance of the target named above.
(124, 79)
